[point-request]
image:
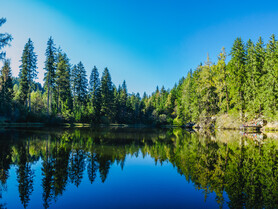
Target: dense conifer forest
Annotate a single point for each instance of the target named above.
(246, 85)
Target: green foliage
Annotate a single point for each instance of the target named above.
(107, 96)
(50, 68)
(6, 89)
(27, 73)
(80, 84)
(246, 85)
(62, 84)
(95, 95)
(237, 75)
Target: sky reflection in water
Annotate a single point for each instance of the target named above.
(135, 168)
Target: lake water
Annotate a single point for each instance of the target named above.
(136, 168)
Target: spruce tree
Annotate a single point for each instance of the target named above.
(237, 78)
(95, 94)
(80, 84)
(74, 83)
(185, 112)
(270, 82)
(107, 96)
(27, 73)
(220, 80)
(258, 74)
(122, 103)
(254, 72)
(250, 65)
(6, 88)
(63, 87)
(50, 68)
(207, 90)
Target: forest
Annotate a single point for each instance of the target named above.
(243, 82)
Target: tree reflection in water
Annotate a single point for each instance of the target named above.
(245, 169)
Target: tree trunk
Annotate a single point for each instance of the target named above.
(29, 102)
(241, 104)
(58, 108)
(227, 97)
(48, 99)
(50, 104)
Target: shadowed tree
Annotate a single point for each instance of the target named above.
(6, 88)
(92, 167)
(76, 166)
(25, 175)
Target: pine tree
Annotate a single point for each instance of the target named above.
(74, 83)
(207, 90)
(5, 39)
(270, 80)
(220, 80)
(185, 112)
(122, 103)
(107, 96)
(254, 73)
(64, 97)
(50, 67)
(237, 78)
(259, 73)
(95, 94)
(27, 73)
(196, 96)
(6, 88)
(80, 84)
(250, 84)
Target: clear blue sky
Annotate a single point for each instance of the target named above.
(146, 42)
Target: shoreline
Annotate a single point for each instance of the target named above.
(264, 129)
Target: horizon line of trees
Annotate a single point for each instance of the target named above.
(246, 85)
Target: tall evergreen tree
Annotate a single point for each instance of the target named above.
(27, 73)
(50, 68)
(63, 87)
(122, 103)
(185, 110)
(270, 71)
(254, 73)
(207, 90)
(237, 72)
(220, 80)
(107, 96)
(80, 84)
(95, 94)
(6, 88)
(74, 83)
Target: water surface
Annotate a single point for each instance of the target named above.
(136, 168)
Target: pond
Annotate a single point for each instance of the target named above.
(136, 168)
